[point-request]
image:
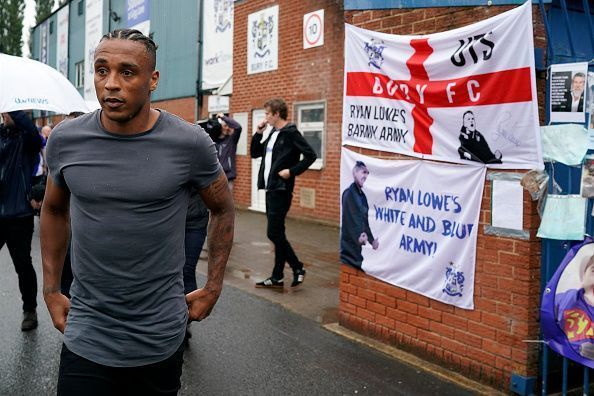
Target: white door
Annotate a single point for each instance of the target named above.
(258, 196)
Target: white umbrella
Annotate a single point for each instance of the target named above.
(27, 84)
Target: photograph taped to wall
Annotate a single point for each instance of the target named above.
(568, 92)
(587, 186)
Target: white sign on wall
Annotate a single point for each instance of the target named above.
(313, 29)
(93, 33)
(62, 46)
(262, 39)
(218, 104)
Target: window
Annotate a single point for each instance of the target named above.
(81, 6)
(79, 74)
(311, 118)
(51, 27)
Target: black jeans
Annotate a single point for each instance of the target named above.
(194, 242)
(17, 234)
(278, 204)
(79, 376)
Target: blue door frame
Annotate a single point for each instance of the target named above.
(569, 26)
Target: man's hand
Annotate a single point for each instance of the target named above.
(58, 306)
(201, 302)
(363, 238)
(36, 204)
(375, 244)
(285, 174)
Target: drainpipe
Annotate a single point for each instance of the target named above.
(199, 74)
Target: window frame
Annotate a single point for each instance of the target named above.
(79, 74)
(319, 163)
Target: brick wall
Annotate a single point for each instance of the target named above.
(302, 75)
(182, 107)
(487, 343)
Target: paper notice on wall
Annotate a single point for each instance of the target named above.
(568, 92)
(507, 207)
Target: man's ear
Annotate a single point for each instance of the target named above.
(154, 80)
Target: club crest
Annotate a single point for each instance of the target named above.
(262, 29)
(223, 14)
(374, 53)
(454, 281)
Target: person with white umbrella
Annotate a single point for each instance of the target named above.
(19, 146)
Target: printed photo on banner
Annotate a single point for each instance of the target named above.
(568, 92)
(567, 308)
(412, 223)
(439, 96)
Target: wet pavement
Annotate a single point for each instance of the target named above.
(255, 341)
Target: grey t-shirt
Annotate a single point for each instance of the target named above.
(129, 196)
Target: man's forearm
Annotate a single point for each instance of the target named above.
(54, 232)
(220, 241)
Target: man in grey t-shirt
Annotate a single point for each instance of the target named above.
(121, 176)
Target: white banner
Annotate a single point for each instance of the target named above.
(93, 33)
(464, 95)
(138, 15)
(262, 36)
(44, 42)
(217, 52)
(62, 46)
(413, 224)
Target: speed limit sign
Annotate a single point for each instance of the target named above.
(313, 29)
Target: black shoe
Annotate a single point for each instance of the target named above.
(29, 321)
(298, 277)
(271, 283)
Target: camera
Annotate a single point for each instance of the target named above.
(212, 126)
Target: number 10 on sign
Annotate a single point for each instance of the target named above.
(313, 29)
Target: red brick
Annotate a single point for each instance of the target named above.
(468, 338)
(482, 331)
(496, 321)
(366, 294)
(386, 301)
(385, 321)
(430, 313)
(497, 349)
(441, 329)
(358, 301)
(417, 299)
(399, 316)
(455, 321)
(407, 307)
(365, 314)
(430, 337)
(377, 308)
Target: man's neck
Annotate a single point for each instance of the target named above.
(280, 124)
(142, 122)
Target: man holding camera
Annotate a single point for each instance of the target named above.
(19, 146)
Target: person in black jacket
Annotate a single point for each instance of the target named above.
(19, 147)
(355, 231)
(226, 144)
(281, 162)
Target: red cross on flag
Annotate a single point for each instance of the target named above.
(465, 95)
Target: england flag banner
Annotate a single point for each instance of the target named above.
(412, 223)
(463, 95)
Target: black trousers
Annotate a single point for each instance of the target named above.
(17, 235)
(278, 204)
(79, 376)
